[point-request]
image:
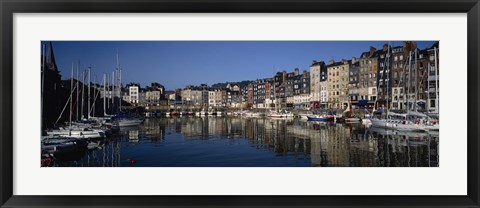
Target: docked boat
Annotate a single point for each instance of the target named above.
(398, 122)
(304, 116)
(86, 133)
(366, 120)
(322, 118)
(54, 145)
(285, 114)
(352, 120)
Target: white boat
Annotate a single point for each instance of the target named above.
(254, 114)
(304, 116)
(61, 145)
(77, 133)
(366, 120)
(398, 122)
(286, 114)
(219, 113)
(352, 120)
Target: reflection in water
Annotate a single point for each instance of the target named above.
(258, 142)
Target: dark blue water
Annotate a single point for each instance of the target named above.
(257, 142)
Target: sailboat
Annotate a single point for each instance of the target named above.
(401, 122)
(74, 131)
(120, 119)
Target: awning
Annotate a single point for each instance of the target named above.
(362, 103)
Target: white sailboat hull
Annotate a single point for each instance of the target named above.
(396, 124)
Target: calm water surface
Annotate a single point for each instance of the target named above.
(258, 142)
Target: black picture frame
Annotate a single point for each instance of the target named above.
(10, 7)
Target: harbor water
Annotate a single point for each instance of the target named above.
(256, 142)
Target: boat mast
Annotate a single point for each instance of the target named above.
(89, 81)
(83, 92)
(104, 94)
(436, 82)
(113, 91)
(78, 77)
(94, 92)
(71, 100)
(119, 83)
(108, 88)
(415, 71)
(387, 62)
(408, 82)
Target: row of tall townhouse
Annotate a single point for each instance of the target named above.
(387, 76)
(284, 90)
(205, 96)
(396, 77)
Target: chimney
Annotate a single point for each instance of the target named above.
(385, 47)
(314, 62)
(284, 76)
(296, 71)
(372, 50)
(354, 60)
(331, 61)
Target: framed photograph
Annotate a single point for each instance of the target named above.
(247, 104)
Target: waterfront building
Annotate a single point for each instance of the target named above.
(234, 98)
(142, 97)
(423, 63)
(221, 98)
(410, 89)
(233, 87)
(338, 73)
(158, 87)
(211, 98)
(125, 95)
(433, 78)
(187, 95)
(398, 76)
(353, 81)
(134, 93)
(171, 96)
(300, 85)
(281, 90)
(192, 96)
(259, 93)
(217, 98)
(368, 77)
(153, 96)
(384, 76)
(318, 76)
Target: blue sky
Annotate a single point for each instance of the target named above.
(176, 64)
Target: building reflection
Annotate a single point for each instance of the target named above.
(323, 144)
